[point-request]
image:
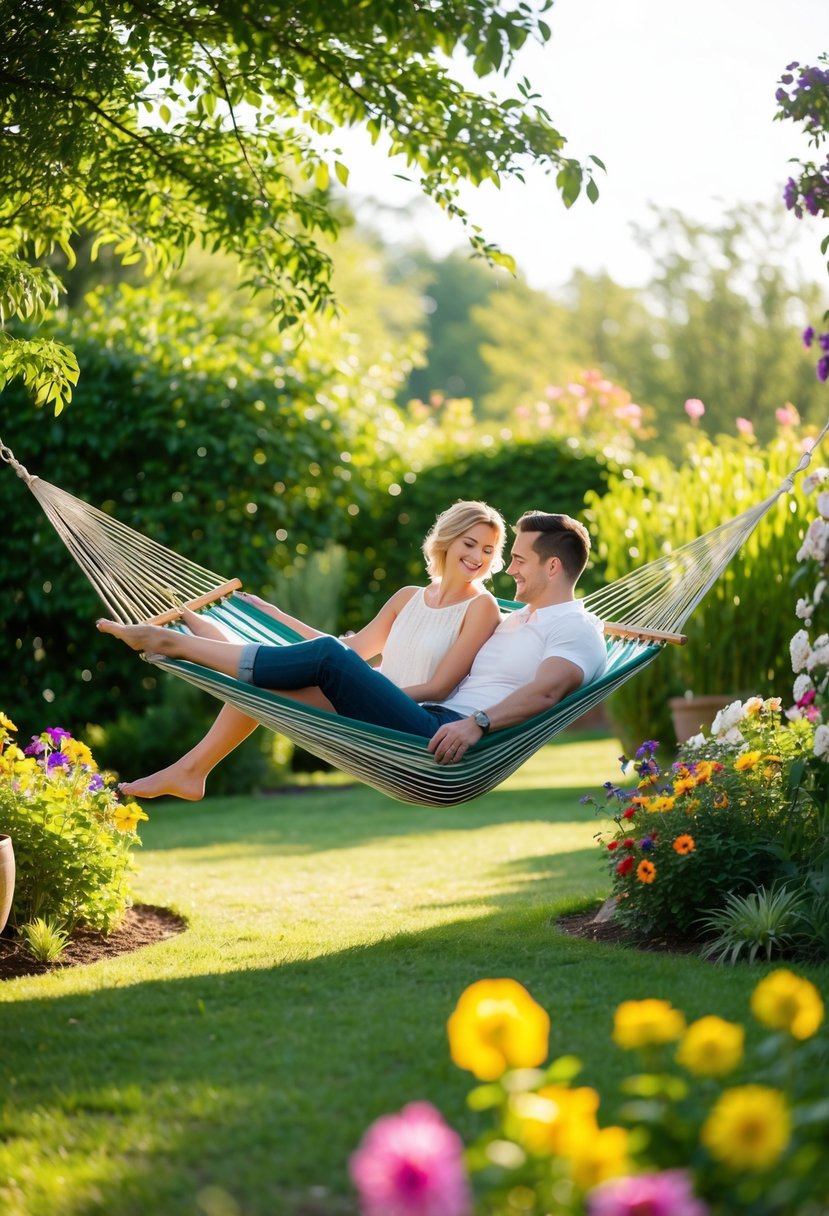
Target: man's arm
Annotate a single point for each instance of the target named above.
(555, 679)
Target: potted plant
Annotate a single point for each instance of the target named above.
(6, 878)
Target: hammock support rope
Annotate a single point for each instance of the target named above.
(139, 580)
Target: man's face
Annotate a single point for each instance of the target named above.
(530, 572)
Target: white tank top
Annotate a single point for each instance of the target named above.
(419, 639)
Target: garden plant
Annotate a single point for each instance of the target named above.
(712, 1120)
(72, 834)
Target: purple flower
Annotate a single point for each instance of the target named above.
(823, 341)
(646, 844)
(411, 1164)
(823, 369)
(790, 193)
(57, 734)
(96, 782)
(665, 1194)
(57, 760)
(647, 749)
(808, 336)
(36, 748)
(812, 205)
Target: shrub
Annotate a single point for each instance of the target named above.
(711, 1122)
(72, 836)
(729, 816)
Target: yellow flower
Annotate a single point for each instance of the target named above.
(645, 1023)
(721, 800)
(555, 1118)
(6, 723)
(683, 785)
(684, 844)
(13, 752)
(692, 806)
(711, 1047)
(746, 760)
(785, 1001)
(497, 1025)
(126, 817)
(703, 771)
(598, 1155)
(646, 871)
(748, 1128)
(662, 804)
(77, 752)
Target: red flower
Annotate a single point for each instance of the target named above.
(629, 843)
(629, 812)
(614, 844)
(625, 866)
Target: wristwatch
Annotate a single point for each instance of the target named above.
(482, 720)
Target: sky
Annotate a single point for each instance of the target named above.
(676, 99)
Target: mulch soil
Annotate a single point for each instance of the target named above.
(610, 932)
(143, 925)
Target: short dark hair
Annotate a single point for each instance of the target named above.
(559, 536)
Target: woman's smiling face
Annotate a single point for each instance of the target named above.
(472, 552)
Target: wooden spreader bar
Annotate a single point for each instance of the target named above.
(201, 601)
(644, 635)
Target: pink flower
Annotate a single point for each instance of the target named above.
(694, 409)
(411, 1164)
(745, 426)
(787, 415)
(665, 1194)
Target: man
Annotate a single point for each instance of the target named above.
(535, 658)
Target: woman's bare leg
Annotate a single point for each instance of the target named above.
(186, 777)
(221, 656)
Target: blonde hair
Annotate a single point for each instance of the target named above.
(451, 524)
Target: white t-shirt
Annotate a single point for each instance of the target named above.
(512, 656)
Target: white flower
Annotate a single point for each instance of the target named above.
(695, 741)
(754, 705)
(819, 590)
(823, 503)
(794, 714)
(727, 718)
(801, 686)
(816, 542)
(773, 705)
(820, 654)
(814, 479)
(821, 744)
(732, 736)
(803, 610)
(799, 649)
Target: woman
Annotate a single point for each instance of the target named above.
(427, 637)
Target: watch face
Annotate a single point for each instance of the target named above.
(482, 720)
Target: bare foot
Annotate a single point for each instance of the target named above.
(176, 781)
(201, 627)
(137, 637)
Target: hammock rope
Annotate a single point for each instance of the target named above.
(138, 580)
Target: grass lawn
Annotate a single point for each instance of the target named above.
(231, 1070)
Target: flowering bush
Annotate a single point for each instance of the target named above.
(803, 97)
(72, 835)
(729, 815)
(706, 1126)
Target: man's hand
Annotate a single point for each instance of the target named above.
(453, 740)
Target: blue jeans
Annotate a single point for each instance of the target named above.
(354, 688)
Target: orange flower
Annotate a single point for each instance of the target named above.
(646, 871)
(746, 761)
(721, 800)
(684, 844)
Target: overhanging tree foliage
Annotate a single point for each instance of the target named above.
(154, 125)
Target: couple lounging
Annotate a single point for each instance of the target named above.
(451, 669)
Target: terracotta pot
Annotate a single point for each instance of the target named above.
(6, 879)
(690, 714)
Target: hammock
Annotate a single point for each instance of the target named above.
(138, 580)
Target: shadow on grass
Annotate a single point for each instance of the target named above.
(332, 818)
(260, 1082)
